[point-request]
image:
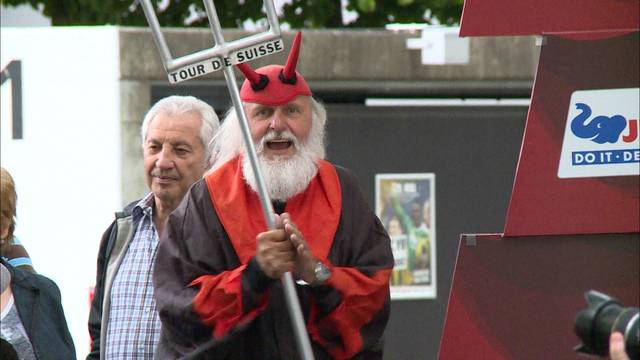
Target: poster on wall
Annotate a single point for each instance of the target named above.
(405, 203)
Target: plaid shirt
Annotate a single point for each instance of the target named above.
(134, 326)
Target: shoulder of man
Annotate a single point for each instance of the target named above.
(108, 237)
(127, 209)
(109, 232)
(198, 191)
(345, 175)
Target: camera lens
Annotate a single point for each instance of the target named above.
(603, 316)
(628, 324)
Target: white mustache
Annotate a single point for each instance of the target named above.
(274, 135)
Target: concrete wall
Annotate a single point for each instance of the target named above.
(361, 61)
(343, 55)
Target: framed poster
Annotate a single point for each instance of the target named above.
(405, 204)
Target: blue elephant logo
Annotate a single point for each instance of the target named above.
(601, 129)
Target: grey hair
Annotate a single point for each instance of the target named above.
(228, 142)
(179, 105)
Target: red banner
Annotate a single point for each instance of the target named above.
(535, 17)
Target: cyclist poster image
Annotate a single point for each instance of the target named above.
(405, 204)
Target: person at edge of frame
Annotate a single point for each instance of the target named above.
(32, 321)
(11, 250)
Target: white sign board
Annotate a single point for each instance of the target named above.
(218, 63)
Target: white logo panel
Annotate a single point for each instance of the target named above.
(601, 134)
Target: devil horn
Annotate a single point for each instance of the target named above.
(258, 81)
(289, 71)
(249, 73)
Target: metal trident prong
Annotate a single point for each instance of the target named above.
(222, 54)
(221, 57)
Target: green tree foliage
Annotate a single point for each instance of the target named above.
(371, 13)
(232, 13)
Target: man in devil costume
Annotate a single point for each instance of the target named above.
(218, 265)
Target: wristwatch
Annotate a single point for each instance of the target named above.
(322, 274)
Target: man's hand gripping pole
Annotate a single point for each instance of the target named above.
(221, 57)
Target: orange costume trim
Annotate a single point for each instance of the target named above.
(317, 213)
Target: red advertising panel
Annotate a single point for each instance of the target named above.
(518, 298)
(580, 157)
(535, 17)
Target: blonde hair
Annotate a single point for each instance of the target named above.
(8, 199)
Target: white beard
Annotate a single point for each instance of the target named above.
(283, 177)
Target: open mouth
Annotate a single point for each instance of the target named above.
(282, 144)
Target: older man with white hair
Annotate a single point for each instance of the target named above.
(218, 264)
(177, 135)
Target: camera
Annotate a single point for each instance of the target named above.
(603, 316)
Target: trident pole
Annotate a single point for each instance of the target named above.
(222, 56)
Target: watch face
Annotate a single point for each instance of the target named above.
(322, 273)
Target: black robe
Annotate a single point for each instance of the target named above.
(215, 302)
